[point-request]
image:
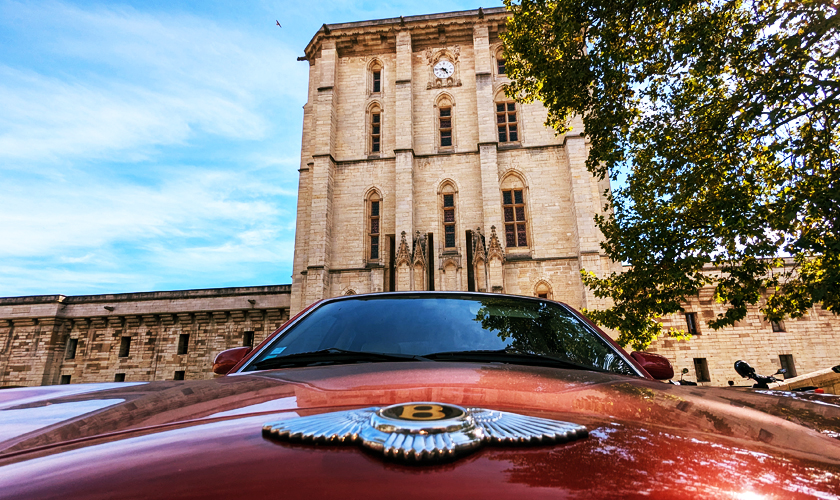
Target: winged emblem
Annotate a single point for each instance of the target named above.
(423, 432)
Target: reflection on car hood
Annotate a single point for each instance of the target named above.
(644, 435)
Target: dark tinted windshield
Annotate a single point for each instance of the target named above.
(428, 324)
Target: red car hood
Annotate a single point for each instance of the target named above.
(203, 438)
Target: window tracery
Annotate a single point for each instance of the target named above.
(500, 62)
(375, 77)
(507, 122)
(373, 225)
(445, 122)
(375, 129)
(448, 209)
(514, 212)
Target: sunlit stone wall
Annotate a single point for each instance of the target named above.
(169, 334)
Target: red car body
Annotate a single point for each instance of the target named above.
(203, 439)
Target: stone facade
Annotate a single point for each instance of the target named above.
(801, 345)
(134, 336)
(414, 169)
(374, 133)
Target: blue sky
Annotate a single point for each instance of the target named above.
(155, 145)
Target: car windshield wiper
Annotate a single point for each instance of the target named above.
(332, 356)
(511, 357)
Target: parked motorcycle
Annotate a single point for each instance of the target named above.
(683, 381)
(761, 381)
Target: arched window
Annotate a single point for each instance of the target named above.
(375, 77)
(514, 213)
(500, 62)
(375, 129)
(448, 208)
(444, 122)
(543, 290)
(506, 121)
(374, 202)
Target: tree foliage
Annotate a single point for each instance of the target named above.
(723, 115)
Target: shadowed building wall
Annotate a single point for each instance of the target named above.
(133, 336)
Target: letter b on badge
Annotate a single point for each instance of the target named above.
(422, 412)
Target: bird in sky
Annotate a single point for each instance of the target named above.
(278, 23)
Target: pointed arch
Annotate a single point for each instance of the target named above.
(515, 212)
(448, 185)
(448, 213)
(375, 76)
(449, 274)
(444, 109)
(373, 225)
(543, 290)
(499, 60)
(507, 118)
(374, 120)
(512, 178)
(444, 98)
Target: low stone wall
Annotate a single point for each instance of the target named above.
(828, 380)
(52, 339)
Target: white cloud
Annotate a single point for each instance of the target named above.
(139, 150)
(191, 203)
(131, 80)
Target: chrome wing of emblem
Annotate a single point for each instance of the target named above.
(423, 432)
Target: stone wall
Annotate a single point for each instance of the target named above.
(811, 343)
(828, 380)
(164, 333)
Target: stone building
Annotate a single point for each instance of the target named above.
(55, 339)
(799, 345)
(418, 173)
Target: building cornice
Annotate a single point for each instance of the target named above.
(126, 297)
(410, 23)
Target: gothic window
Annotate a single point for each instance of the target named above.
(513, 206)
(500, 62)
(448, 199)
(543, 290)
(506, 122)
(375, 129)
(445, 116)
(375, 78)
(374, 203)
(444, 122)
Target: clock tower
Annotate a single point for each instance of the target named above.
(418, 172)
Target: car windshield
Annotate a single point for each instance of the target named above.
(454, 327)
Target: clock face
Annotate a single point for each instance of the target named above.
(444, 69)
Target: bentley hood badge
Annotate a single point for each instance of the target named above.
(423, 432)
